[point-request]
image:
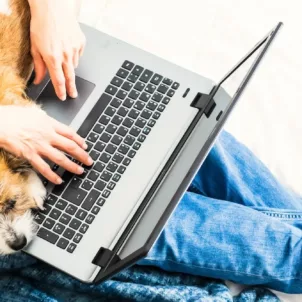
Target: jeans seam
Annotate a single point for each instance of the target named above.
(283, 215)
(214, 269)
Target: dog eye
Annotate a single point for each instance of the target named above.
(9, 205)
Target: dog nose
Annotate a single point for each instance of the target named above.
(19, 243)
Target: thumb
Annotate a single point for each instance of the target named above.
(40, 68)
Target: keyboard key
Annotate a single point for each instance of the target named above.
(138, 105)
(128, 122)
(84, 174)
(89, 219)
(111, 90)
(78, 237)
(47, 209)
(121, 94)
(112, 167)
(106, 176)
(116, 81)
(140, 123)
(75, 224)
(134, 94)
(167, 81)
(105, 137)
(62, 243)
(129, 140)
(161, 108)
(55, 168)
(71, 209)
(116, 103)
(110, 111)
(75, 196)
(117, 120)
(175, 85)
(49, 223)
(146, 114)
(111, 185)
(99, 146)
(92, 197)
(141, 138)
(87, 185)
(166, 100)
(122, 131)
(89, 146)
(122, 73)
(55, 214)
(170, 92)
(162, 88)
(93, 175)
(138, 70)
(127, 86)
(151, 123)
(68, 233)
(116, 177)
(146, 76)
(84, 228)
(132, 78)
(156, 115)
(131, 153)
(65, 218)
(47, 235)
(99, 166)
(104, 120)
(71, 248)
(111, 128)
(135, 131)
(98, 128)
(146, 130)
(106, 193)
(128, 103)
(51, 199)
(157, 97)
(105, 158)
(116, 140)
(100, 185)
(123, 149)
(111, 148)
(139, 86)
(126, 161)
(123, 111)
(39, 218)
(117, 158)
(95, 210)
(121, 169)
(133, 113)
(94, 154)
(136, 146)
(93, 137)
(150, 88)
(101, 202)
(156, 79)
(81, 214)
(59, 228)
(151, 105)
(128, 65)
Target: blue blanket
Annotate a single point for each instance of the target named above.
(24, 278)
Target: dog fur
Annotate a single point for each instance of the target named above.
(21, 190)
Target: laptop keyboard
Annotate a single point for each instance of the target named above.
(115, 130)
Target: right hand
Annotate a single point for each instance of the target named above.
(28, 132)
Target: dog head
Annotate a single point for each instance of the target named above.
(21, 193)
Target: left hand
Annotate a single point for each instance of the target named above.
(57, 42)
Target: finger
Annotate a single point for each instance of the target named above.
(70, 79)
(42, 167)
(76, 59)
(57, 77)
(40, 68)
(69, 133)
(71, 148)
(61, 159)
(82, 49)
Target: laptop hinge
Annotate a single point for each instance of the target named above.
(204, 102)
(103, 257)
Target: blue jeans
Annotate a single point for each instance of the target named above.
(236, 222)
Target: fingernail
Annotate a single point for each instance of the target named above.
(80, 170)
(63, 97)
(74, 94)
(90, 161)
(59, 181)
(85, 146)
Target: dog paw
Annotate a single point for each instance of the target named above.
(36, 190)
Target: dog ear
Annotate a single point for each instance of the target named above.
(16, 164)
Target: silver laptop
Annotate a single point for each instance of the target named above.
(149, 125)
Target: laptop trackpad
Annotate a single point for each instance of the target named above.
(66, 111)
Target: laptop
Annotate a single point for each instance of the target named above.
(149, 125)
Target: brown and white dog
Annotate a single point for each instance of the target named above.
(21, 190)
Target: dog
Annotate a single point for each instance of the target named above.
(21, 190)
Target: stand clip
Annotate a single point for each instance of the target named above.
(103, 257)
(205, 103)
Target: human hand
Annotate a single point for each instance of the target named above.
(36, 136)
(57, 42)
